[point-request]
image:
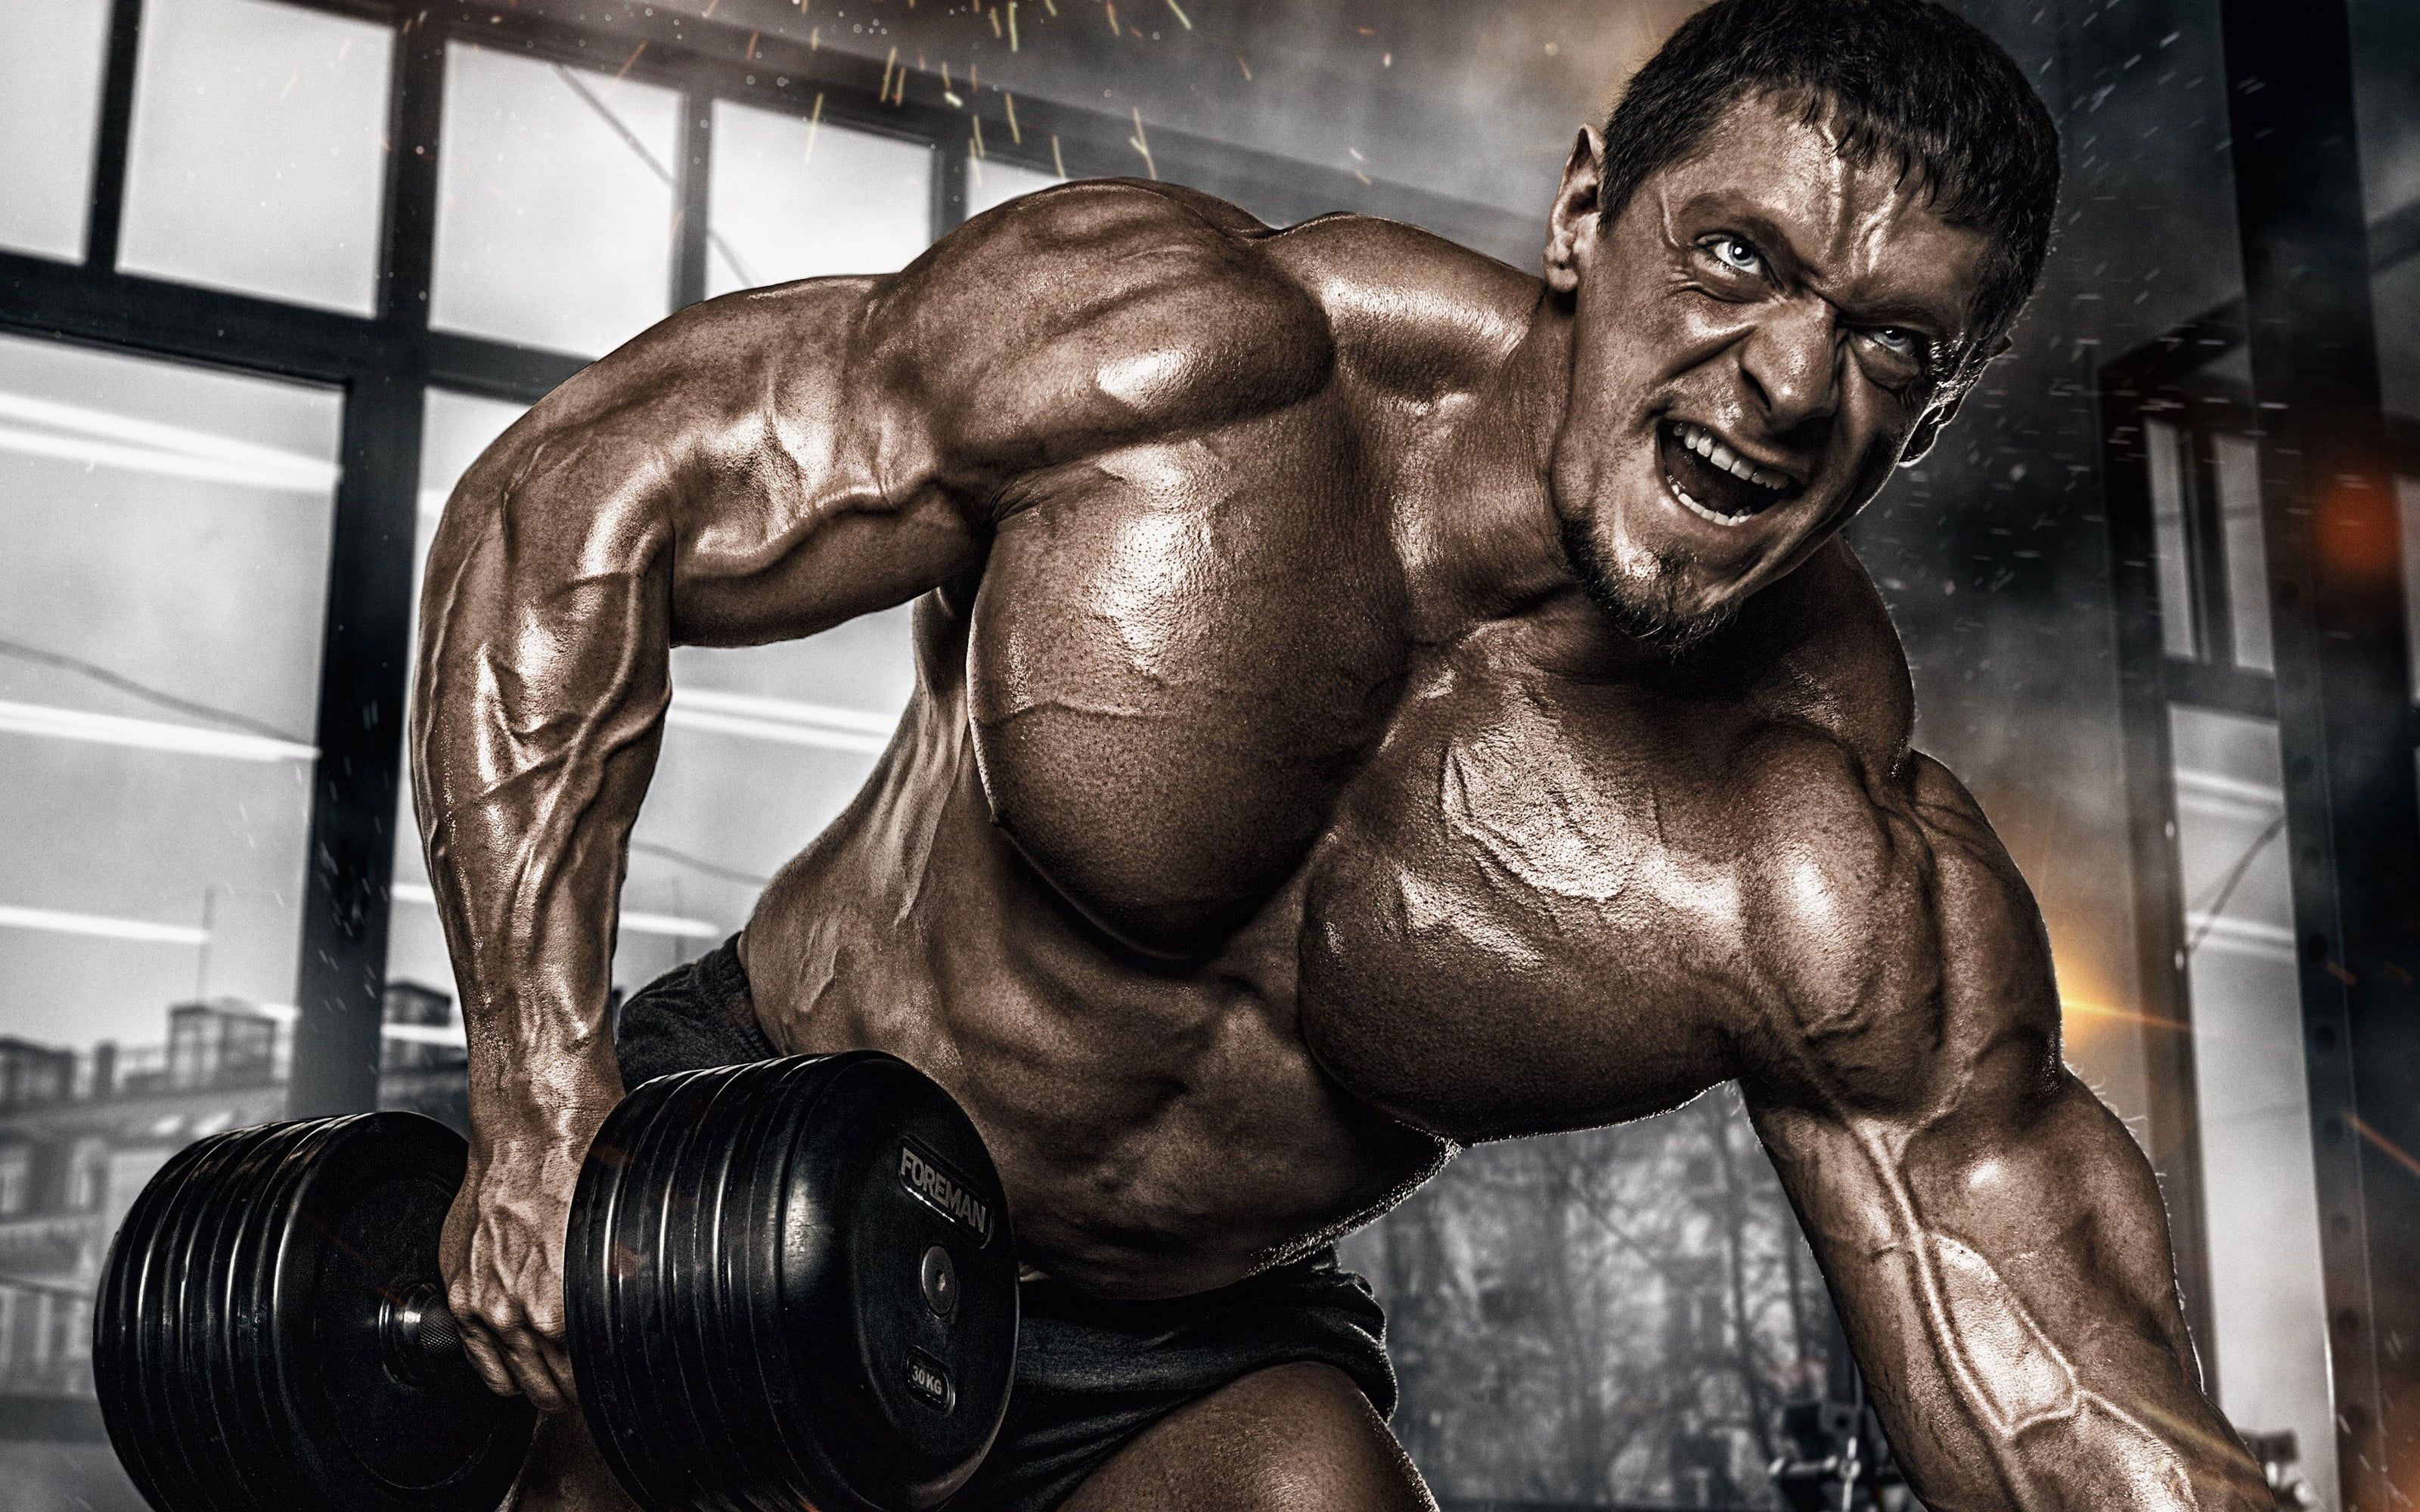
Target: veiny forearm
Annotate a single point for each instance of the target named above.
(545, 673)
(2014, 1305)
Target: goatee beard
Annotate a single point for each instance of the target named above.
(1645, 611)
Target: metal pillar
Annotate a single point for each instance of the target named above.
(364, 659)
(2343, 709)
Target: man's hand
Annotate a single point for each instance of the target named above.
(503, 1259)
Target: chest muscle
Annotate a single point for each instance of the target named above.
(1525, 917)
(1179, 656)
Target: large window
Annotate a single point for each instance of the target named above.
(554, 221)
(49, 106)
(258, 135)
(2266, 1296)
(160, 639)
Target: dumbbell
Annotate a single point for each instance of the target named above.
(787, 1284)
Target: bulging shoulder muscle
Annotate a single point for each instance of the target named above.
(1084, 316)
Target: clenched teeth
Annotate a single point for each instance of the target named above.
(1701, 511)
(1702, 442)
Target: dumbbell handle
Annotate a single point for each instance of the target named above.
(423, 1342)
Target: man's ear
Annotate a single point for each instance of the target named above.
(1937, 420)
(1574, 220)
(1928, 427)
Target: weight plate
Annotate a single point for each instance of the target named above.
(694, 1218)
(177, 1362)
(238, 1343)
(746, 1270)
(752, 1301)
(902, 1171)
(607, 1268)
(232, 1246)
(114, 1319)
(685, 1209)
(356, 1232)
(253, 1358)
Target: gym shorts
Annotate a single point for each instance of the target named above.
(1091, 1373)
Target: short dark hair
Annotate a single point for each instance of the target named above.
(1901, 78)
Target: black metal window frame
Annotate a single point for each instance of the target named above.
(2170, 378)
(384, 364)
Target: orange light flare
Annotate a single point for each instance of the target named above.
(2090, 1007)
(2393, 1151)
(2354, 528)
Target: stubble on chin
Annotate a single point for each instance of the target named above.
(1644, 607)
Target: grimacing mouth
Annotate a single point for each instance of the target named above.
(1714, 478)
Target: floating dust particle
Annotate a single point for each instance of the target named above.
(814, 124)
(1385, 60)
(1053, 7)
(1181, 15)
(882, 90)
(973, 83)
(994, 14)
(1014, 135)
(947, 93)
(1056, 160)
(1012, 25)
(751, 45)
(1115, 30)
(1246, 66)
(628, 61)
(707, 15)
(978, 137)
(814, 39)
(1143, 144)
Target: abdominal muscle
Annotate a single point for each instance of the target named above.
(1161, 1127)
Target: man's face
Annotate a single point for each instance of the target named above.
(1761, 334)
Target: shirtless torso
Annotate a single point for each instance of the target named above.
(1281, 805)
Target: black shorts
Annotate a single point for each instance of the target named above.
(1090, 1374)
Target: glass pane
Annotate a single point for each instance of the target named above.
(2386, 107)
(258, 151)
(160, 619)
(2179, 635)
(763, 747)
(2237, 462)
(2256, 1124)
(554, 202)
(990, 182)
(51, 54)
(795, 197)
(2406, 501)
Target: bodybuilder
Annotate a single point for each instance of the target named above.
(1369, 699)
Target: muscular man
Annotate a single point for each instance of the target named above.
(1369, 701)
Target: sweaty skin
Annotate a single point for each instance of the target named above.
(1347, 727)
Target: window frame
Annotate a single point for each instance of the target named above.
(384, 363)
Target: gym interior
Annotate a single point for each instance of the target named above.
(274, 272)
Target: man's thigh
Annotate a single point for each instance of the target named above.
(1290, 1437)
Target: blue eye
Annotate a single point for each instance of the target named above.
(1736, 254)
